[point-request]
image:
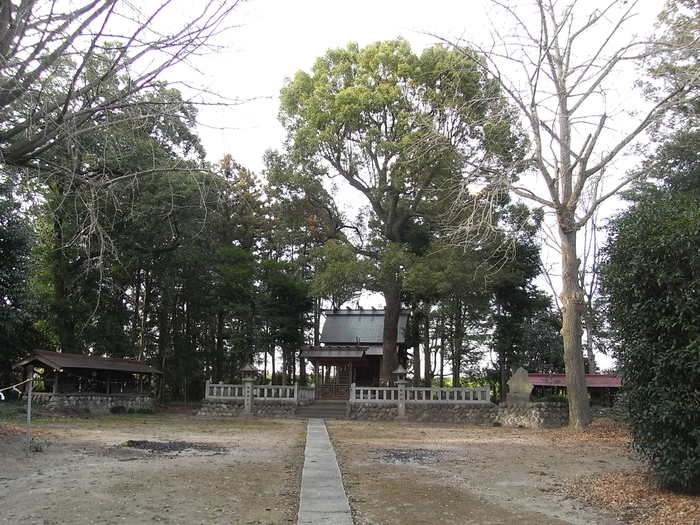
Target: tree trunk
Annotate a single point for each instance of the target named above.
(265, 369)
(428, 375)
(572, 306)
(219, 359)
(272, 366)
(392, 312)
(144, 313)
(457, 341)
(590, 354)
(317, 322)
(62, 306)
(415, 328)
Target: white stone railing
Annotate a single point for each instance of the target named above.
(362, 394)
(374, 394)
(278, 392)
(224, 392)
(480, 394)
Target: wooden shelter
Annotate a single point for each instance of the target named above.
(63, 373)
(350, 351)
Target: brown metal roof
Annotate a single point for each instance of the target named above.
(59, 360)
(592, 380)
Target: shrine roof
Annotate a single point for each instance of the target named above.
(359, 326)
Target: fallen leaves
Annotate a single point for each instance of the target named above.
(8, 429)
(601, 430)
(634, 497)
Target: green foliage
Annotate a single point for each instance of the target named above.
(16, 239)
(651, 279)
(339, 274)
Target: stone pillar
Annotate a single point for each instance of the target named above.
(400, 375)
(248, 373)
(520, 388)
(401, 383)
(248, 394)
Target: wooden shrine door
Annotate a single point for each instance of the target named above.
(333, 381)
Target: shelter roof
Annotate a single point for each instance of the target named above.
(59, 360)
(592, 380)
(362, 326)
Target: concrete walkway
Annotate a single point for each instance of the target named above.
(323, 499)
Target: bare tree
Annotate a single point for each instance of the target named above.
(55, 57)
(558, 68)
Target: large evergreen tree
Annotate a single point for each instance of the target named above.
(398, 128)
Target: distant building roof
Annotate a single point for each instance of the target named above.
(592, 380)
(59, 360)
(361, 326)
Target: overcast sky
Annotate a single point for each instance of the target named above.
(276, 38)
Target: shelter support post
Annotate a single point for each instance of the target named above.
(29, 390)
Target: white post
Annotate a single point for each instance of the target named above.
(28, 390)
(206, 390)
(296, 393)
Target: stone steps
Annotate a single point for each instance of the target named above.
(323, 410)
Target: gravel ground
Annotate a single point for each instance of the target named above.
(150, 469)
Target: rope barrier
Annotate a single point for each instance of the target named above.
(14, 387)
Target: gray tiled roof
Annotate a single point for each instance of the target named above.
(365, 327)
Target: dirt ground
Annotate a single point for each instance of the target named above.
(427, 473)
(177, 469)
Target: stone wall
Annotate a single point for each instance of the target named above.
(533, 415)
(449, 412)
(93, 403)
(221, 409)
(262, 408)
(271, 408)
(528, 415)
(478, 414)
(373, 411)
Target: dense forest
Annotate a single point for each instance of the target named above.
(202, 268)
(120, 238)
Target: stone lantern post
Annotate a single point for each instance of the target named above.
(249, 374)
(400, 375)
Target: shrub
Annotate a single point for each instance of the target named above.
(652, 282)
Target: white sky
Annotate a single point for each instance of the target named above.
(276, 38)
